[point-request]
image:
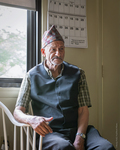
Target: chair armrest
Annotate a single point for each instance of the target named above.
(10, 116)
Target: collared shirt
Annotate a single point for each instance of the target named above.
(24, 94)
(50, 73)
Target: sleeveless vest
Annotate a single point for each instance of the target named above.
(56, 98)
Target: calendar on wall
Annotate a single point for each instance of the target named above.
(69, 17)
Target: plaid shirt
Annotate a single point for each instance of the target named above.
(24, 94)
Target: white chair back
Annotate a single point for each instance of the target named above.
(23, 127)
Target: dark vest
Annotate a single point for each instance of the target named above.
(56, 98)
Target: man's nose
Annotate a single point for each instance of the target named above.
(57, 52)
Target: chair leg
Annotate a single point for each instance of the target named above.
(21, 138)
(40, 143)
(14, 137)
(30, 139)
(5, 132)
(34, 140)
(27, 148)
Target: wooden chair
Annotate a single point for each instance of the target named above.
(30, 141)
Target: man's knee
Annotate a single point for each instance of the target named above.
(106, 145)
(66, 145)
(96, 141)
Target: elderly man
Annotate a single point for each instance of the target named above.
(59, 95)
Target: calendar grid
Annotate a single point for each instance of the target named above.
(69, 17)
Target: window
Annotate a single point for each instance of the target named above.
(20, 31)
(13, 42)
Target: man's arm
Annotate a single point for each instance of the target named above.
(38, 123)
(83, 118)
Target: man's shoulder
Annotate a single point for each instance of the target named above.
(35, 68)
(72, 66)
(82, 71)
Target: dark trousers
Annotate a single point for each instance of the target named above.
(63, 140)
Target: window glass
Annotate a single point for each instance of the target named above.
(13, 42)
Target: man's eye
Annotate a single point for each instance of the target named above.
(61, 48)
(52, 49)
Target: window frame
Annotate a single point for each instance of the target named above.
(33, 46)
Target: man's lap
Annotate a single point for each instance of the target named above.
(63, 140)
(57, 141)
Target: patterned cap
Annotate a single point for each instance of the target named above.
(51, 35)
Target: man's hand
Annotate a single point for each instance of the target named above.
(40, 125)
(79, 143)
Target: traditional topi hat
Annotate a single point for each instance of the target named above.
(51, 35)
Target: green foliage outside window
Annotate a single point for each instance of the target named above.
(12, 49)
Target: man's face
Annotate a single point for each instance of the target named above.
(54, 52)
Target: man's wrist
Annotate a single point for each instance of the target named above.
(81, 135)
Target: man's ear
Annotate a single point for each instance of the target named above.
(43, 52)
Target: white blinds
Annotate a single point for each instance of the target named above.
(29, 4)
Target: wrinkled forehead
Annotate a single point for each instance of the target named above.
(56, 44)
